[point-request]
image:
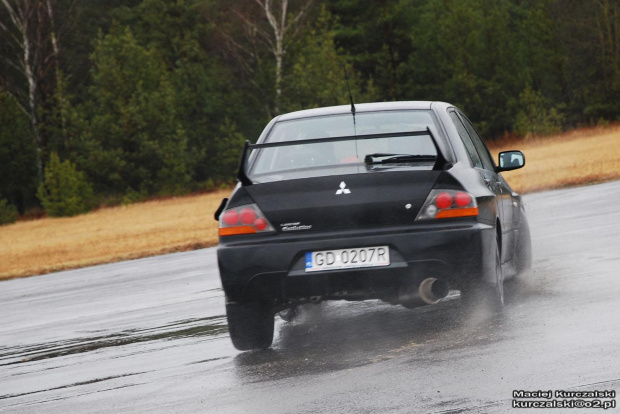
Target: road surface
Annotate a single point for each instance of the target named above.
(150, 335)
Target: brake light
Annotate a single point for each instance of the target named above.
(443, 200)
(448, 204)
(247, 219)
(231, 217)
(260, 224)
(462, 199)
(247, 216)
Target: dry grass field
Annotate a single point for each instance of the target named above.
(580, 157)
(109, 235)
(185, 223)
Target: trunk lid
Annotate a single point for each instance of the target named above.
(340, 202)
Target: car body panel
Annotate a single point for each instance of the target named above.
(379, 209)
(272, 268)
(371, 200)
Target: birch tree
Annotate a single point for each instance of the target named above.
(283, 25)
(32, 56)
(20, 14)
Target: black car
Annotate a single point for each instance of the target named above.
(396, 201)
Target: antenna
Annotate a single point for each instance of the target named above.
(346, 76)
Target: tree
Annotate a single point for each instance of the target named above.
(31, 59)
(17, 155)
(537, 115)
(226, 151)
(276, 35)
(134, 140)
(317, 76)
(210, 102)
(277, 45)
(8, 212)
(376, 37)
(64, 190)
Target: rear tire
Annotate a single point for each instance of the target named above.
(524, 249)
(250, 325)
(486, 296)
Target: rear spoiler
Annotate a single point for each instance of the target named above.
(243, 178)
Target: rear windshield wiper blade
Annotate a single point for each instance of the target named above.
(396, 158)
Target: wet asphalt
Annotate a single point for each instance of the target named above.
(150, 335)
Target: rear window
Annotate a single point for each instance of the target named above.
(342, 157)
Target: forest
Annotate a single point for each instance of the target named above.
(111, 102)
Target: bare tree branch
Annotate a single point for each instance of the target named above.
(13, 15)
(280, 28)
(275, 36)
(32, 31)
(254, 30)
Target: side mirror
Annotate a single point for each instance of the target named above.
(510, 160)
(219, 210)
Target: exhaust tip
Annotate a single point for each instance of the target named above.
(432, 290)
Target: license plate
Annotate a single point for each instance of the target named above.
(347, 258)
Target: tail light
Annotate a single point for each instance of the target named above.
(246, 219)
(447, 204)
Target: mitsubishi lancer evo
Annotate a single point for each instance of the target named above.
(397, 201)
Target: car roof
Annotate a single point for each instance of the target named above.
(359, 108)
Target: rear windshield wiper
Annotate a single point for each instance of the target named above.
(397, 158)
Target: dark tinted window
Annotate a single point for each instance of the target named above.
(309, 159)
(485, 155)
(469, 144)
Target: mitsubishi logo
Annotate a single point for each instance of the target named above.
(343, 189)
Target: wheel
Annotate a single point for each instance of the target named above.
(483, 295)
(524, 248)
(250, 325)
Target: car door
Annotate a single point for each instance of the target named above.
(498, 186)
(482, 165)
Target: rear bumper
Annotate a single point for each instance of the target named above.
(273, 268)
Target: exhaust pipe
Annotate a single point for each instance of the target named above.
(430, 291)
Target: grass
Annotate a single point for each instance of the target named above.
(185, 223)
(579, 157)
(109, 235)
